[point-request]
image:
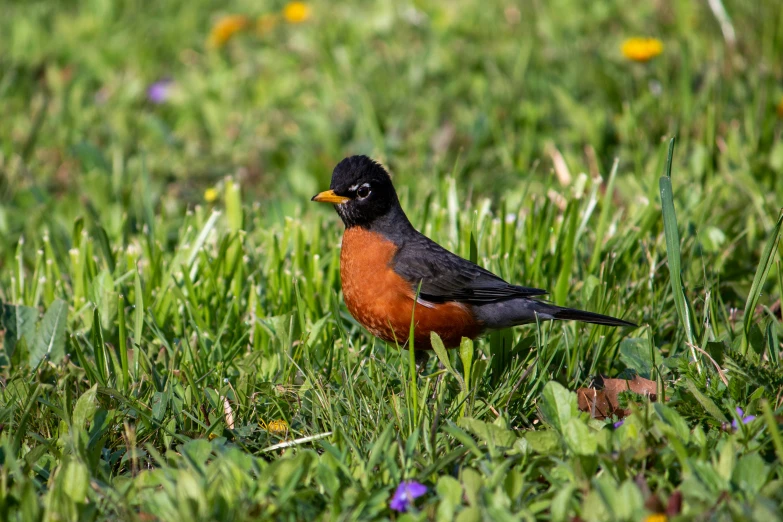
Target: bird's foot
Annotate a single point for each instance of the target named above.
(422, 357)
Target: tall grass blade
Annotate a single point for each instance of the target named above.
(123, 343)
(765, 263)
(673, 250)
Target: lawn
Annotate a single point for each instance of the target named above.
(173, 340)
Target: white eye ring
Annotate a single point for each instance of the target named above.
(363, 191)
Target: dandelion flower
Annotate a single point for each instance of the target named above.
(657, 517)
(225, 29)
(266, 23)
(641, 49)
(296, 12)
(210, 195)
(278, 427)
(406, 493)
(159, 91)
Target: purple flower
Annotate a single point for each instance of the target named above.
(619, 423)
(159, 91)
(744, 419)
(407, 491)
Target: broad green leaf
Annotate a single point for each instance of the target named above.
(75, 480)
(159, 405)
(705, 401)
(750, 474)
(545, 442)
(636, 354)
(105, 297)
(472, 482)
(86, 406)
(469, 514)
(562, 504)
(489, 433)
(557, 405)
(450, 493)
(675, 423)
(50, 337)
(198, 450)
(579, 438)
(19, 323)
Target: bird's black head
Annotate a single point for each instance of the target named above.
(361, 191)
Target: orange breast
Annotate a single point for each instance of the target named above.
(382, 301)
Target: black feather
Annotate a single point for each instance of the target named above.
(572, 314)
(445, 276)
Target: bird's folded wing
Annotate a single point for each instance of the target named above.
(444, 276)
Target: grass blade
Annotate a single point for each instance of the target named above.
(138, 322)
(765, 263)
(123, 343)
(673, 250)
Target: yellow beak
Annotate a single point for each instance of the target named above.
(328, 196)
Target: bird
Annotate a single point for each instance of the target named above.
(393, 275)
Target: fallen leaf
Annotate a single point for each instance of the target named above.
(594, 401)
(638, 385)
(602, 399)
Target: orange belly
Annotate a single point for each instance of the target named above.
(382, 301)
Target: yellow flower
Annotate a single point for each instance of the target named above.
(266, 23)
(780, 107)
(641, 49)
(658, 517)
(275, 427)
(225, 29)
(278, 427)
(296, 12)
(210, 195)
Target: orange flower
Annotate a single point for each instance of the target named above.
(225, 29)
(641, 49)
(657, 517)
(296, 12)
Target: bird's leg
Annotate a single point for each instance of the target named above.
(422, 357)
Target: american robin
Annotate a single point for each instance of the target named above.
(386, 263)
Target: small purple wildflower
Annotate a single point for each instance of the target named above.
(407, 491)
(159, 91)
(743, 418)
(619, 423)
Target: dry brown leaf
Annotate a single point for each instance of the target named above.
(595, 402)
(602, 399)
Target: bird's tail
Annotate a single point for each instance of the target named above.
(523, 310)
(572, 314)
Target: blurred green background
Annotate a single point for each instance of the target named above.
(486, 90)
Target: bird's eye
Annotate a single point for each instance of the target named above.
(363, 191)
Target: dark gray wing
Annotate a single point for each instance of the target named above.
(447, 277)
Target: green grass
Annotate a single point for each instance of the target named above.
(151, 337)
